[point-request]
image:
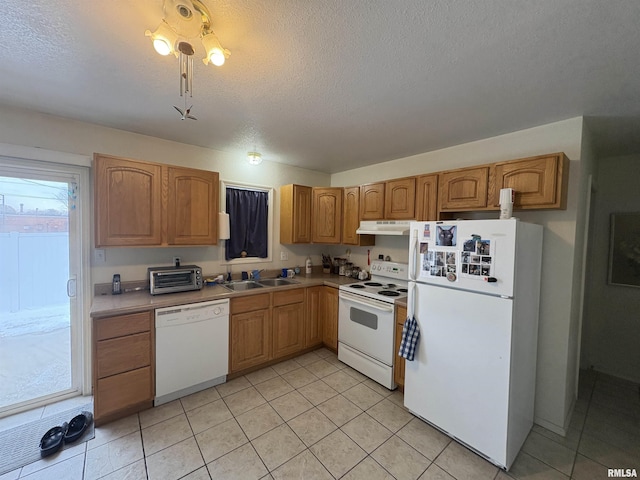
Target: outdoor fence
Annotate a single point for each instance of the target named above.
(34, 269)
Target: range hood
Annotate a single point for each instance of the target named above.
(384, 227)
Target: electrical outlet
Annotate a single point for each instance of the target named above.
(99, 255)
(176, 260)
(284, 255)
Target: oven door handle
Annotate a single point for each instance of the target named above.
(385, 307)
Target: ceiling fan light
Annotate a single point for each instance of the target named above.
(254, 158)
(162, 46)
(217, 57)
(215, 53)
(164, 39)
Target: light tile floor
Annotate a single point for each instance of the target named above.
(315, 418)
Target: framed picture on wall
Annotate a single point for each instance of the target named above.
(624, 250)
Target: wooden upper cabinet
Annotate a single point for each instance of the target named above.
(538, 182)
(192, 207)
(427, 197)
(400, 199)
(148, 204)
(351, 219)
(372, 201)
(127, 202)
(295, 214)
(327, 214)
(463, 189)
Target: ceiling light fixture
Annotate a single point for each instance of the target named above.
(184, 21)
(254, 158)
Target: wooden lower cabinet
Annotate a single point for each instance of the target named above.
(123, 365)
(313, 322)
(119, 392)
(250, 332)
(288, 322)
(329, 314)
(270, 326)
(399, 362)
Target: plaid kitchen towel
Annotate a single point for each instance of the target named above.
(410, 336)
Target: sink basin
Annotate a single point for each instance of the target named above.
(276, 282)
(242, 285)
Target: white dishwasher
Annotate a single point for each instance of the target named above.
(192, 348)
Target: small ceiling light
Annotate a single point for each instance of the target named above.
(254, 158)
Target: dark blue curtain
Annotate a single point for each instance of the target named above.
(248, 211)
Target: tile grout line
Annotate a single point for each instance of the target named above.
(586, 414)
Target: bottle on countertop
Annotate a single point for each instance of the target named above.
(307, 265)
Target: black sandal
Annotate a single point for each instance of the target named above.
(77, 426)
(51, 441)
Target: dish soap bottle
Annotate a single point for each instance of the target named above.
(307, 265)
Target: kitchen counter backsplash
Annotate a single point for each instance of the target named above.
(136, 296)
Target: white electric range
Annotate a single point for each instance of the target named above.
(366, 321)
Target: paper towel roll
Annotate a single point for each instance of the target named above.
(506, 203)
(223, 226)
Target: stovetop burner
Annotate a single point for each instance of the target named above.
(388, 293)
(387, 284)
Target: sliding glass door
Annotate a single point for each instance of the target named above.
(40, 312)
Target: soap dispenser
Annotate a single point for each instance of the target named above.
(307, 265)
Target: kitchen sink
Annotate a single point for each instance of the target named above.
(276, 282)
(242, 285)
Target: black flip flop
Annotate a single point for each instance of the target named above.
(51, 441)
(77, 426)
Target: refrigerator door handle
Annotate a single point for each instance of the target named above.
(413, 250)
(411, 299)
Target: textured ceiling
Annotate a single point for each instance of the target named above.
(331, 85)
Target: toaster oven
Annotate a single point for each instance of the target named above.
(174, 279)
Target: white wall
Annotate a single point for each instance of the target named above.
(21, 127)
(612, 330)
(554, 386)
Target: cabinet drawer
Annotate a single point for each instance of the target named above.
(250, 303)
(122, 391)
(288, 296)
(122, 325)
(118, 355)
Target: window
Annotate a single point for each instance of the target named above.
(250, 223)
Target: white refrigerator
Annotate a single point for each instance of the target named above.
(474, 290)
